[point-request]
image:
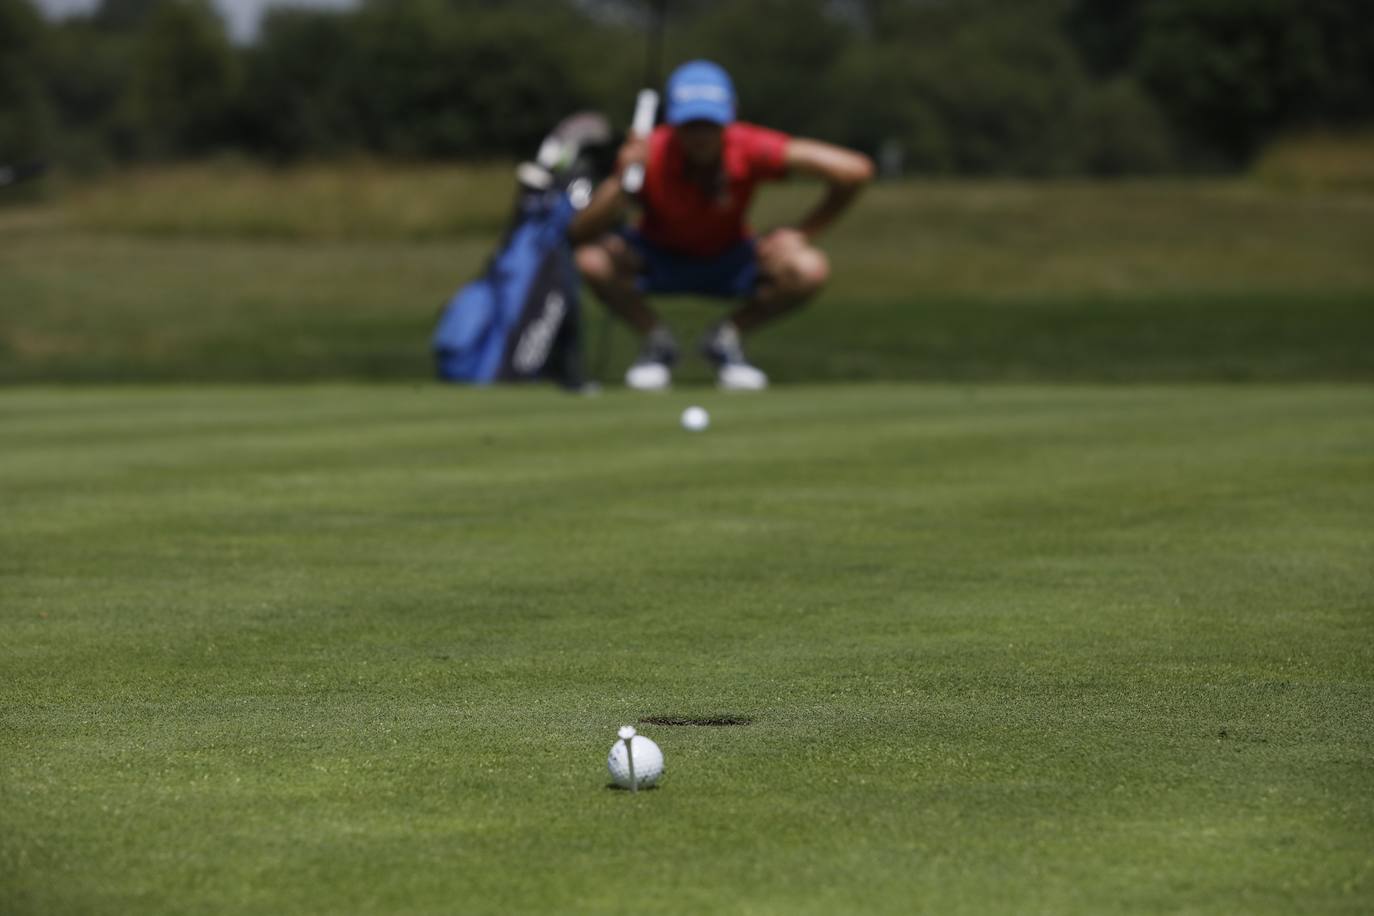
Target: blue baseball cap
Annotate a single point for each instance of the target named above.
(700, 90)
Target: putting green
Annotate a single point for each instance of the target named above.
(364, 649)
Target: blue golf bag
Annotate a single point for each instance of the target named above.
(521, 319)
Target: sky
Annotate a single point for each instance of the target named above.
(241, 15)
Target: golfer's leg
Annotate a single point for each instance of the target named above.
(792, 272)
(610, 266)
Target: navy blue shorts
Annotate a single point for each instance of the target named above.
(731, 275)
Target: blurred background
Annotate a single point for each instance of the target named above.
(1122, 181)
(1012, 87)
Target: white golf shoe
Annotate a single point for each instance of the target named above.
(649, 377)
(741, 377)
(734, 372)
(652, 370)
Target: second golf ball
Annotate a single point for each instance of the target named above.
(695, 419)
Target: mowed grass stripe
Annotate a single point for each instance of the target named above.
(363, 648)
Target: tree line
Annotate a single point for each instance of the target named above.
(1016, 87)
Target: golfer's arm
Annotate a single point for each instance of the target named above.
(603, 213)
(844, 171)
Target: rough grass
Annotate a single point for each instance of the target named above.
(1324, 159)
(363, 649)
(349, 201)
(169, 276)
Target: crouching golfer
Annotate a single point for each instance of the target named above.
(700, 171)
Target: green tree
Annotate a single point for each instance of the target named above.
(780, 54)
(1107, 33)
(301, 86)
(1343, 91)
(441, 78)
(883, 106)
(88, 78)
(1232, 72)
(1118, 129)
(26, 117)
(1001, 79)
(184, 78)
(123, 15)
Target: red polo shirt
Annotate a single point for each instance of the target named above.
(680, 216)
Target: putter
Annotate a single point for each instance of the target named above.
(646, 109)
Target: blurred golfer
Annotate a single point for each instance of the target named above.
(700, 171)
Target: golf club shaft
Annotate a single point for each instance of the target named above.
(646, 108)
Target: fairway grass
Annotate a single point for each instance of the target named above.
(363, 649)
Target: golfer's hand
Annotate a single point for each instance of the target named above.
(779, 243)
(634, 150)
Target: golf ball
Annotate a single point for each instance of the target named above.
(695, 419)
(648, 762)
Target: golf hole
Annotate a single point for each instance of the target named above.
(700, 721)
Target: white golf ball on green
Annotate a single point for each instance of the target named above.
(695, 419)
(635, 761)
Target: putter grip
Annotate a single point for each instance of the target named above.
(646, 108)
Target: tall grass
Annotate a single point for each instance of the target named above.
(960, 237)
(356, 200)
(228, 271)
(1322, 159)
(371, 200)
